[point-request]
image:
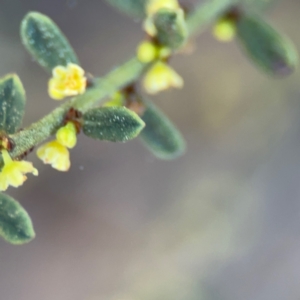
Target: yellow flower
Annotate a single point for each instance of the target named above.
(66, 81)
(147, 52)
(13, 171)
(56, 154)
(154, 5)
(224, 30)
(67, 135)
(161, 77)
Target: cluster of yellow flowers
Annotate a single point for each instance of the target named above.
(70, 80)
(160, 76)
(66, 81)
(56, 152)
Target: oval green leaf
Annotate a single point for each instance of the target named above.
(12, 103)
(171, 27)
(45, 42)
(15, 223)
(268, 48)
(115, 124)
(133, 8)
(160, 135)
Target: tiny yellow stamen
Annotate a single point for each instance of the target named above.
(13, 172)
(161, 77)
(66, 81)
(67, 135)
(224, 30)
(56, 154)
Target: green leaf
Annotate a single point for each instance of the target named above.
(116, 124)
(12, 103)
(133, 8)
(171, 27)
(45, 42)
(15, 223)
(160, 135)
(268, 48)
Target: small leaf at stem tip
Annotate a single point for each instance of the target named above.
(133, 8)
(115, 124)
(268, 48)
(15, 223)
(171, 27)
(12, 103)
(160, 135)
(45, 42)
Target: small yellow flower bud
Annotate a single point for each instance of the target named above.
(56, 154)
(161, 77)
(67, 135)
(147, 52)
(13, 172)
(224, 30)
(66, 81)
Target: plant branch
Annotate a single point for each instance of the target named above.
(125, 74)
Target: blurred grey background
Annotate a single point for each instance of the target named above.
(222, 222)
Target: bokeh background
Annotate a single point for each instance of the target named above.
(222, 222)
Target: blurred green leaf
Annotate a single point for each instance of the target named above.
(116, 124)
(160, 135)
(133, 8)
(45, 42)
(171, 27)
(268, 48)
(15, 223)
(12, 103)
